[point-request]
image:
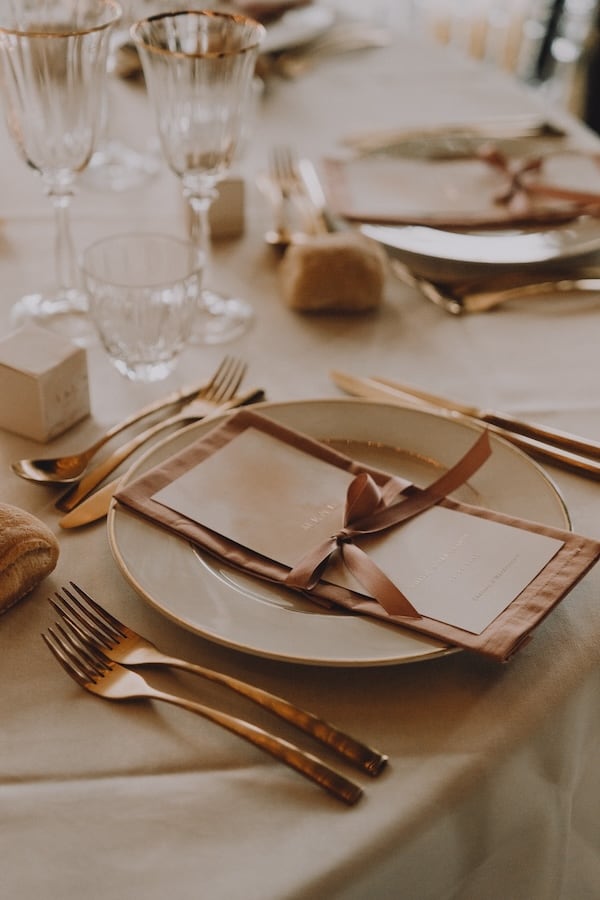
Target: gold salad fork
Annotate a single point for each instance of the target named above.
(221, 389)
(95, 672)
(97, 627)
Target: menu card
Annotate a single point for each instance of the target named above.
(276, 500)
(278, 504)
(486, 189)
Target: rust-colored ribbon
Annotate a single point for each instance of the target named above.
(371, 509)
(521, 189)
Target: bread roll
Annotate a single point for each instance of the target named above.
(28, 553)
(339, 272)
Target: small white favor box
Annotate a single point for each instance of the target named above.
(44, 386)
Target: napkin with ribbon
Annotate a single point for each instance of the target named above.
(489, 188)
(376, 503)
(267, 10)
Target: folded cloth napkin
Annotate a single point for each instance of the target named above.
(28, 553)
(499, 640)
(267, 10)
(486, 189)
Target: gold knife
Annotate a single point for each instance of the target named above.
(92, 506)
(373, 389)
(563, 439)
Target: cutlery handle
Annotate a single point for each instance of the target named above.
(180, 396)
(562, 440)
(569, 442)
(305, 763)
(366, 758)
(482, 301)
(78, 492)
(75, 494)
(581, 465)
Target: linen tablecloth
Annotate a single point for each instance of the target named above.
(493, 785)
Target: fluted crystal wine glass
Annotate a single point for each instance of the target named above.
(198, 66)
(116, 165)
(52, 68)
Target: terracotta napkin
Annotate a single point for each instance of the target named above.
(267, 10)
(487, 189)
(499, 640)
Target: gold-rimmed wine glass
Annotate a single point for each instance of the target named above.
(52, 69)
(198, 66)
(115, 164)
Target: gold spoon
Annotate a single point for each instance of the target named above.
(69, 468)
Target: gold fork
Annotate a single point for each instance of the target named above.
(292, 201)
(95, 672)
(120, 643)
(222, 388)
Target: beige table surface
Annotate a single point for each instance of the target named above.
(493, 786)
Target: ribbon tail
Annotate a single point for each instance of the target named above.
(307, 573)
(376, 582)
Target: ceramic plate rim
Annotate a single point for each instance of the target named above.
(531, 246)
(424, 648)
(297, 27)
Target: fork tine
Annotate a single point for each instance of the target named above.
(86, 633)
(226, 381)
(91, 658)
(91, 615)
(70, 662)
(231, 382)
(215, 380)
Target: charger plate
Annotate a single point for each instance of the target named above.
(221, 604)
(511, 247)
(296, 27)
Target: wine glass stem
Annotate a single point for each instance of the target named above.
(200, 224)
(66, 268)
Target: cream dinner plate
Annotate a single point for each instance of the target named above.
(239, 611)
(296, 27)
(509, 248)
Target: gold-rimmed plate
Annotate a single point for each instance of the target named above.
(221, 604)
(509, 247)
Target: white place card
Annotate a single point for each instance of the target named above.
(281, 502)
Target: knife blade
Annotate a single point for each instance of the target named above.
(371, 389)
(75, 496)
(93, 508)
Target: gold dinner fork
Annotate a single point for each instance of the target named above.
(120, 643)
(95, 672)
(222, 388)
(292, 200)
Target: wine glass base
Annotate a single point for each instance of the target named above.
(117, 167)
(222, 319)
(66, 314)
(144, 372)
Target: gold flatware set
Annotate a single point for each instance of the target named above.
(477, 296)
(557, 447)
(98, 652)
(215, 397)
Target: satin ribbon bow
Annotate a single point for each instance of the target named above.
(371, 509)
(521, 189)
